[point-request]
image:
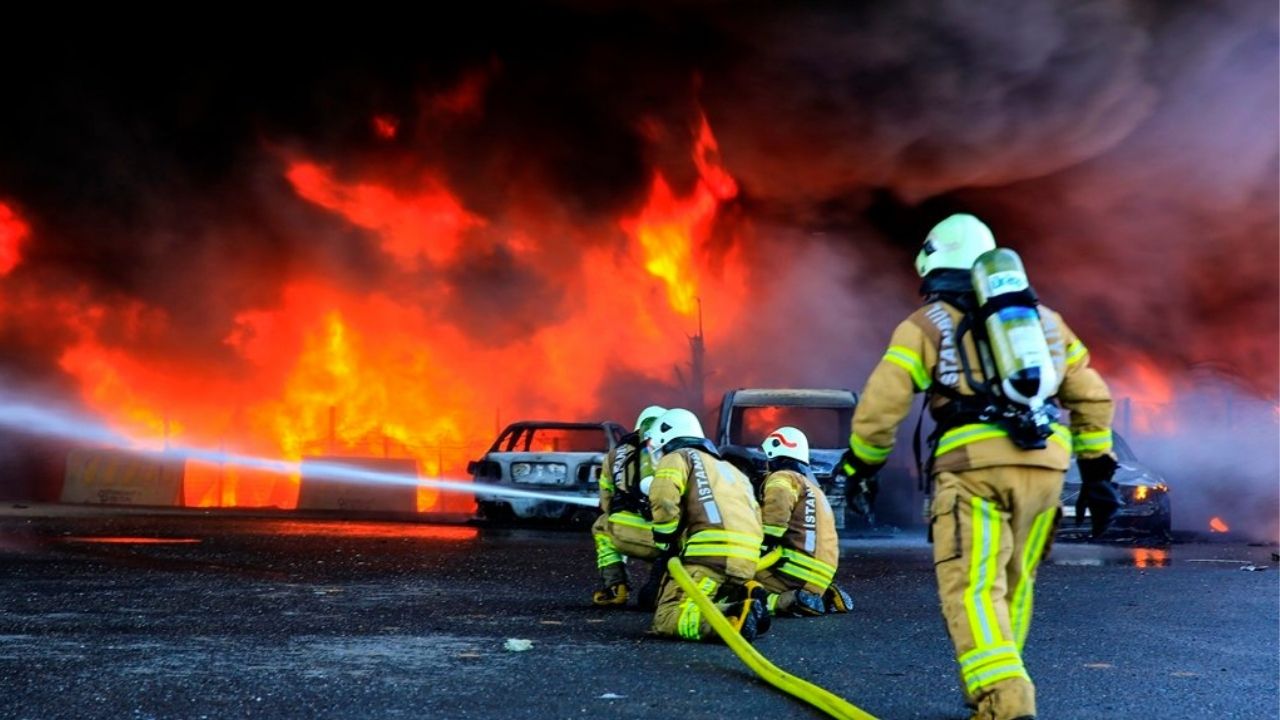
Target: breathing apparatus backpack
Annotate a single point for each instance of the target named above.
(1014, 354)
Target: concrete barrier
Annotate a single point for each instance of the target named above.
(121, 477)
(325, 493)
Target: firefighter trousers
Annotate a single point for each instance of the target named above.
(617, 537)
(991, 527)
(677, 615)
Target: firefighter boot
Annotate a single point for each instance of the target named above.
(837, 600)
(800, 603)
(614, 589)
(749, 617)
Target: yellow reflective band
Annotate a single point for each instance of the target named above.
(967, 434)
(1021, 607)
(630, 519)
(983, 571)
(666, 527)
(873, 454)
(726, 536)
(808, 561)
(607, 483)
(775, 530)
(1076, 352)
(606, 553)
(672, 475)
(909, 360)
(983, 655)
(725, 551)
(1096, 441)
(805, 575)
(1062, 436)
(995, 675)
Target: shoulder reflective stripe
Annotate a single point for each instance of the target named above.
(1093, 441)
(775, 530)
(867, 452)
(966, 434)
(1076, 352)
(630, 519)
(909, 360)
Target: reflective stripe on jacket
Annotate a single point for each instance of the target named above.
(923, 351)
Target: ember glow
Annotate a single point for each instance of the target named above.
(1217, 525)
(13, 231)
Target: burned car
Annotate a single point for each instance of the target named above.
(547, 457)
(747, 416)
(1146, 497)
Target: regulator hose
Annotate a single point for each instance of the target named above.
(826, 701)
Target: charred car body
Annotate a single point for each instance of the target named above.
(747, 416)
(1145, 493)
(548, 457)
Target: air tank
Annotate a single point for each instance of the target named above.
(1014, 331)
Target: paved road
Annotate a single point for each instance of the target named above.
(189, 616)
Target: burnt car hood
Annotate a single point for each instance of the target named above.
(1127, 474)
(821, 460)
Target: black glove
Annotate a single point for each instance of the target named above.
(769, 543)
(860, 486)
(1098, 493)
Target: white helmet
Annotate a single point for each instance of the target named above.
(671, 425)
(648, 415)
(786, 442)
(954, 243)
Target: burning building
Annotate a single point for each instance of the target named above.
(386, 241)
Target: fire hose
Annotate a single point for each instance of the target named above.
(799, 688)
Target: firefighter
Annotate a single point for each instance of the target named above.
(704, 511)
(996, 490)
(625, 526)
(800, 550)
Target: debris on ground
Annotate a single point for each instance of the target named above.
(1253, 568)
(518, 644)
(612, 696)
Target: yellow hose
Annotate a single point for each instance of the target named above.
(829, 703)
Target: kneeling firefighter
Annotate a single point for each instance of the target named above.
(704, 511)
(801, 550)
(625, 526)
(994, 364)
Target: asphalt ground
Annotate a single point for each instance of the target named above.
(190, 615)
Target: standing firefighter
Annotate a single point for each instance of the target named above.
(625, 526)
(704, 510)
(992, 361)
(801, 549)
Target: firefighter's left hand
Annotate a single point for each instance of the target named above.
(1098, 493)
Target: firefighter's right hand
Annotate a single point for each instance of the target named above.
(1098, 494)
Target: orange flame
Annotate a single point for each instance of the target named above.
(427, 224)
(1217, 525)
(399, 372)
(671, 231)
(13, 231)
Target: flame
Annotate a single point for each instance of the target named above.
(1217, 525)
(385, 126)
(13, 231)
(1140, 493)
(428, 223)
(671, 231)
(1146, 397)
(328, 367)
